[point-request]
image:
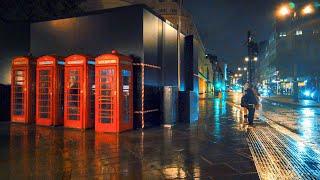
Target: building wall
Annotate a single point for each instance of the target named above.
(206, 75)
(119, 29)
(14, 41)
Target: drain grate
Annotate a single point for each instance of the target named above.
(278, 156)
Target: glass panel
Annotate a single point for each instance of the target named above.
(18, 99)
(126, 77)
(107, 81)
(73, 96)
(92, 91)
(44, 93)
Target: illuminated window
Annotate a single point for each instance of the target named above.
(299, 32)
(162, 10)
(283, 34)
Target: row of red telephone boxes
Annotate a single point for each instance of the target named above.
(76, 91)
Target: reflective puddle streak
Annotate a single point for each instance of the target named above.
(278, 156)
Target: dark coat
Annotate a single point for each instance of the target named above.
(249, 98)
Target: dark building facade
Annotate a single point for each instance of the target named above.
(133, 30)
(289, 63)
(14, 40)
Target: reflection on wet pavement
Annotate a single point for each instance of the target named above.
(278, 156)
(304, 121)
(213, 148)
(279, 153)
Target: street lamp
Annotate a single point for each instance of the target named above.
(307, 10)
(255, 59)
(284, 11)
(239, 68)
(246, 59)
(245, 69)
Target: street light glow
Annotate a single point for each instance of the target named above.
(245, 68)
(246, 59)
(239, 69)
(308, 9)
(255, 58)
(284, 11)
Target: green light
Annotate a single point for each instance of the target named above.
(292, 5)
(218, 85)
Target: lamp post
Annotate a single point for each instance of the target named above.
(252, 51)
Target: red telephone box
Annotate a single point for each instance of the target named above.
(79, 92)
(23, 90)
(49, 100)
(114, 98)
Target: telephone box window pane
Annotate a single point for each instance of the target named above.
(105, 100)
(92, 91)
(44, 78)
(74, 117)
(44, 72)
(44, 97)
(105, 119)
(126, 76)
(73, 95)
(18, 93)
(18, 89)
(44, 115)
(73, 111)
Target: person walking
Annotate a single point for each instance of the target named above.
(244, 109)
(249, 101)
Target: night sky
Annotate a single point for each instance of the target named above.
(223, 24)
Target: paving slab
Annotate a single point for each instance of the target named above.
(213, 148)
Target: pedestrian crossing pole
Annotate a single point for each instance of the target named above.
(252, 57)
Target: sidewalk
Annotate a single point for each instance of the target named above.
(213, 148)
(279, 156)
(279, 153)
(287, 100)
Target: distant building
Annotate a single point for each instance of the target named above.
(292, 54)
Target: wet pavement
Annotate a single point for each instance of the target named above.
(213, 148)
(304, 121)
(280, 152)
(278, 156)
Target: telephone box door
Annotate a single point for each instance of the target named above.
(106, 94)
(19, 99)
(44, 96)
(73, 97)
